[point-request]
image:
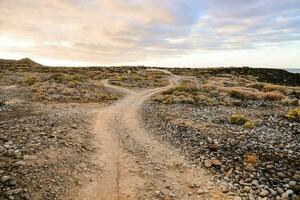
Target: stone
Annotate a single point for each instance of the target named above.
(200, 191)
(237, 198)
(255, 182)
(296, 177)
(281, 175)
(292, 183)
(224, 188)
(14, 191)
(2, 150)
(207, 163)
(250, 168)
(29, 157)
(216, 162)
(264, 193)
(5, 178)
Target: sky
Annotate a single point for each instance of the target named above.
(175, 33)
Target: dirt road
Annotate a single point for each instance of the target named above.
(135, 165)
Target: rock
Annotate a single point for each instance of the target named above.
(2, 150)
(172, 194)
(216, 162)
(14, 191)
(224, 189)
(213, 147)
(255, 182)
(281, 175)
(237, 198)
(264, 193)
(287, 194)
(207, 163)
(200, 191)
(5, 178)
(20, 163)
(29, 157)
(249, 168)
(296, 177)
(8, 145)
(292, 183)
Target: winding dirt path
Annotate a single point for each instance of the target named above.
(135, 165)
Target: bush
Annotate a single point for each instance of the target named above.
(251, 159)
(237, 119)
(272, 96)
(294, 114)
(31, 80)
(249, 124)
(279, 88)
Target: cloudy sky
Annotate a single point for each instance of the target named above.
(195, 33)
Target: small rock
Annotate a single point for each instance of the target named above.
(5, 178)
(224, 189)
(249, 168)
(199, 191)
(292, 183)
(237, 198)
(29, 157)
(14, 191)
(216, 162)
(207, 163)
(264, 193)
(296, 177)
(2, 150)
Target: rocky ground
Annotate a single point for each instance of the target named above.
(44, 149)
(262, 162)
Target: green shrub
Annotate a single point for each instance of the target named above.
(237, 119)
(294, 114)
(249, 124)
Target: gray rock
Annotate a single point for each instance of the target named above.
(5, 178)
(296, 177)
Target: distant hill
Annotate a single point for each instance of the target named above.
(24, 62)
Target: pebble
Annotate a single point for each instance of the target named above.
(224, 189)
(5, 178)
(264, 193)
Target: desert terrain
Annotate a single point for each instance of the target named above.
(140, 132)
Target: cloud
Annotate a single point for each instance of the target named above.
(114, 31)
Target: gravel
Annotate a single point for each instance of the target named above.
(205, 137)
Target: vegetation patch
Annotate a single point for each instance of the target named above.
(294, 114)
(237, 119)
(185, 92)
(140, 79)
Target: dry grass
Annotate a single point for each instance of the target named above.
(185, 92)
(251, 159)
(140, 79)
(277, 88)
(294, 114)
(248, 91)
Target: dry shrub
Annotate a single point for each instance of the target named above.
(294, 114)
(256, 85)
(251, 159)
(249, 125)
(237, 119)
(279, 88)
(272, 96)
(31, 80)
